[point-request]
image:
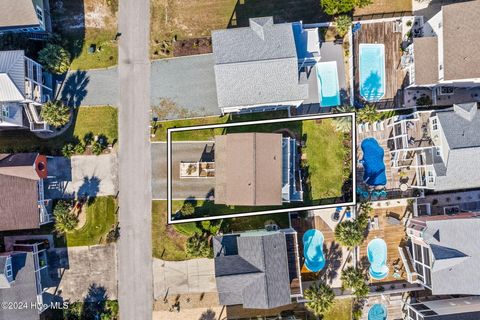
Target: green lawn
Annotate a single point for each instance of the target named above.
(106, 54)
(99, 120)
(341, 310)
(208, 134)
(384, 6)
(324, 157)
(169, 241)
(101, 217)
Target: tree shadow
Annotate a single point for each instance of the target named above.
(74, 88)
(89, 188)
(208, 315)
(94, 302)
(333, 257)
(372, 85)
(309, 11)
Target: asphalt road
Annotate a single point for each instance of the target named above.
(198, 188)
(135, 283)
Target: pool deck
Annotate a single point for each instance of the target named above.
(396, 78)
(393, 235)
(335, 255)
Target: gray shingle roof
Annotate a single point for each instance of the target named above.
(23, 289)
(17, 13)
(12, 64)
(256, 277)
(453, 274)
(257, 65)
(460, 127)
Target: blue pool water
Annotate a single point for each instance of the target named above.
(313, 250)
(372, 71)
(377, 256)
(373, 165)
(327, 81)
(377, 312)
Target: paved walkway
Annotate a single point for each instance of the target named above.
(198, 188)
(135, 283)
(80, 175)
(182, 277)
(189, 81)
(79, 272)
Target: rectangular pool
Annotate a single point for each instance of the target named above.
(372, 71)
(327, 81)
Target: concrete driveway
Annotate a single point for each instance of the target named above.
(80, 175)
(181, 188)
(181, 277)
(188, 81)
(76, 270)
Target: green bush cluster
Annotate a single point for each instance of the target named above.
(79, 147)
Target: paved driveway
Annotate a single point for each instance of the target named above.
(189, 81)
(181, 188)
(76, 270)
(80, 175)
(180, 277)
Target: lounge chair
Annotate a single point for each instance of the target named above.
(377, 222)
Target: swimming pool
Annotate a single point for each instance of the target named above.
(327, 82)
(373, 164)
(313, 250)
(372, 71)
(377, 256)
(377, 312)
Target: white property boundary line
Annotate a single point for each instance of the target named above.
(246, 123)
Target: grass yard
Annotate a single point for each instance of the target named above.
(324, 157)
(169, 240)
(99, 120)
(208, 134)
(341, 310)
(182, 19)
(384, 6)
(82, 24)
(167, 244)
(101, 217)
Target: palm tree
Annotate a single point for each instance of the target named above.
(54, 58)
(320, 298)
(65, 219)
(368, 114)
(55, 113)
(354, 279)
(343, 124)
(343, 24)
(349, 233)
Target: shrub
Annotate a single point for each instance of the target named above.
(88, 138)
(97, 148)
(113, 235)
(79, 148)
(54, 58)
(65, 219)
(55, 113)
(198, 246)
(333, 7)
(68, 150)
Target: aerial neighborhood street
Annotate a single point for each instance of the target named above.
(224, 159)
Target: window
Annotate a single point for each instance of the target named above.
(39, 13)
(4, 112)
(428, 277)
(434, 124)
(9, 270)
(418, 252)
(426, 256)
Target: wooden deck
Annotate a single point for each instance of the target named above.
(393, 235)
(335, 255)
(395, 77)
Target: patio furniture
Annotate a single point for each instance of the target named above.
(376, 222)
(393, 220)
(348, 214)
(403, 187)
(336, 214)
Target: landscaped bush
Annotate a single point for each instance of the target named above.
(55, 113)
(68, 150)
(54, 58)
(65, 219)
(97, 148)
(198, 246)
(79, 148)
(187, 209)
